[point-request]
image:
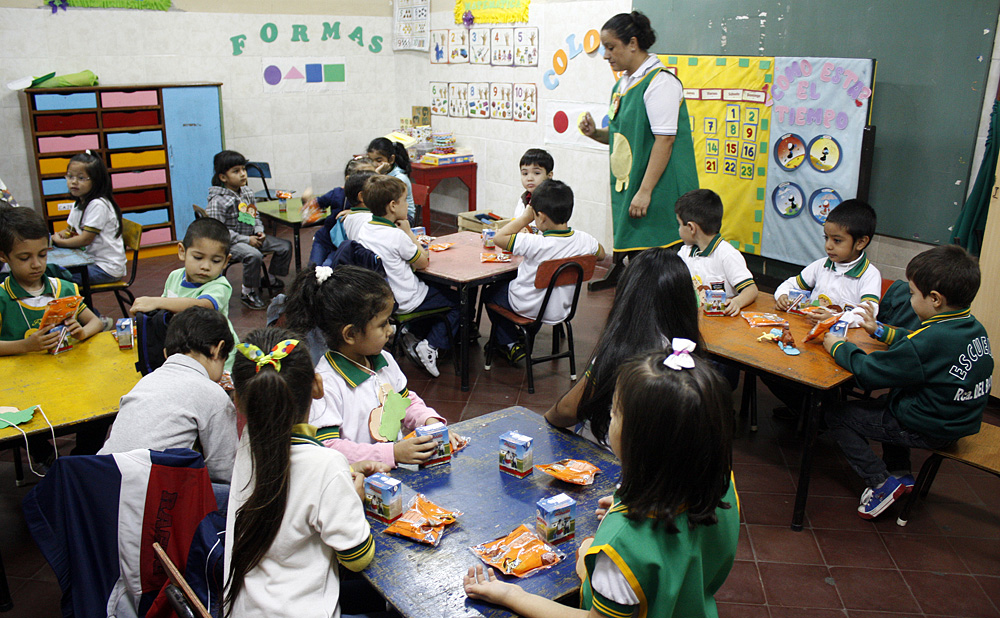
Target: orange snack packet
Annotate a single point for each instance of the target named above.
(494, 257)
(61, 309)
(283, 195)
(820, 328)
(441, 246)
(520, 553)
(764, 320)
(423, 521)
(574, 471)
(311, 212)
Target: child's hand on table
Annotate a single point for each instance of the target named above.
(731, 308)
(414, 450)
(830, 339)
(75, 329)
(144, 304)
(44, 339)
(483, 585)
(602, 507)
(782, 303)
(818, 314)
(367, 467)
(868, 321)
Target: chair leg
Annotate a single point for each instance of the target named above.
(556, 332)
(529, 340)
(455, 352)
(121, 303)
(490, 345)
(748, 401)
(265, 282)
(931, 475)
(923, 484)
(572, 351)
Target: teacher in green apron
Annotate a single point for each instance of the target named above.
(652, 153)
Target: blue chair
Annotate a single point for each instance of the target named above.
(262, 170)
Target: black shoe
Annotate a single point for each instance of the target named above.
(253, 301)
(609, 281)
(277, 285)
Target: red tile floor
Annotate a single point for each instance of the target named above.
(946, 562)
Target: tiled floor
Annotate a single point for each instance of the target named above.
(946, 562)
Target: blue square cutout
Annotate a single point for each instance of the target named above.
(314, 72)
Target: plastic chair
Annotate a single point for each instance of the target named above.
(265, 281)
(979, 451)
(551, 274)
(421, 199)
(262, 170)
(182, 598)
(131, 235)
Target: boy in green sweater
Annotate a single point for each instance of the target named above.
(939, 376)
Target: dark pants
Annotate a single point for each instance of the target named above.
(851, 424)
(437, 333)
(252, 258)
(90, 438)
(790, 393)
(506, 332)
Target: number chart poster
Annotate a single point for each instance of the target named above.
(819, 112)
(726, 98)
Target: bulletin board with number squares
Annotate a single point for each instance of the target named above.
(730, 125)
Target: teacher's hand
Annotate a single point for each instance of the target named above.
(587, 126)
(640, 204)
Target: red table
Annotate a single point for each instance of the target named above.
(431, 175)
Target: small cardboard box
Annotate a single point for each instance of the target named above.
(516, 457)
(440, 432)
(556, 518)
(125, 333)
(715, 302)
(65, 341)
(467, 221)
(383, 497)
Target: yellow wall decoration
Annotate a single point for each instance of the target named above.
(493, 11)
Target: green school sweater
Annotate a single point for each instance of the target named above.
(940, 374)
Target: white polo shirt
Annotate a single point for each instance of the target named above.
(398, 253)
(524, 297)
(663, 97)
(720, 262)
(832, 283)
(107, 249)
(354, 220)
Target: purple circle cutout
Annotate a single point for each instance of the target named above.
(272, 75)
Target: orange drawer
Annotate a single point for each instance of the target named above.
(59, 208)
(55, 165)
(138, 159)
(58, 226)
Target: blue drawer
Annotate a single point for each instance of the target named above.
(149, 218)
(77, 100)
(54, 186)
(139, 139)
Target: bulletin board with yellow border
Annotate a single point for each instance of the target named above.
(730, 125)
(493, 11)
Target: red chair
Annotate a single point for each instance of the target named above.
(422, 200)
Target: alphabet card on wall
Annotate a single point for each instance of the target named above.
(439, 98)
(479, 45)
(502, 47)
(526, 47)
(500, 101)
(458, 95)
(479, 100)
(458, 46)
(525, 103)
(439, 47)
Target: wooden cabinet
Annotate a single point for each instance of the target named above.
(157, 140)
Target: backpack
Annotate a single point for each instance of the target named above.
(150, 335)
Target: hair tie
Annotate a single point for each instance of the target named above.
(278, 352)
(323, 273)
(87, 151)
(681, 357)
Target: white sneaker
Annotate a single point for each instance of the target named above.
(427, 355)
(410, 342)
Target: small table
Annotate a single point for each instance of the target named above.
(291, 217)
(75, 261)
(431, 175)
(420, 580)
(732, 339)
(461, 267)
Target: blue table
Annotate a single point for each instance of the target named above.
(420, 580)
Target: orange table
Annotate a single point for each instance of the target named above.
(460, 267)
(733, 339)
(431, 175)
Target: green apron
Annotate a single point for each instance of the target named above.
(631, 141)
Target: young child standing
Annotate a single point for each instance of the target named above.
(390, 158)
(667, 539)
(295, 508)
(388, 235)
(939, 376)
(713, 262)
(199, 283)
(536, 167)
(231, 201)
(95, 222)
(550, 209)
(363, 385)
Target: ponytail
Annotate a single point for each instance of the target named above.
(634, 24)
(387, 148)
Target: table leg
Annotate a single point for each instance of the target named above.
(813, 414)
(85, 284)
(463, 339)
(6, 604)
(18, 467)
(297, 248)
(470, 183)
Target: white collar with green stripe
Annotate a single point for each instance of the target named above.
(854, 269)
(377, 220)
(350, 371)
(567, 232)
(709, 248)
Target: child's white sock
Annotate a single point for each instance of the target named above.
(245, 290)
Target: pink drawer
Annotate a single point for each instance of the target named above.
(150, 237)
(138, 179)
(67, 144)
(138, 98)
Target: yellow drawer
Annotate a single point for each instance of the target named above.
(138, 159)
(55, 165)
(59, 208)
(58, 226)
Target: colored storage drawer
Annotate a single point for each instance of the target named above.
(76, 143)
(53, 165)
(54, 186)
(75, 100)
(138, 98)
(135, 199)
(151, 217)
(59, 208)
(66, 122)
(138, 159)
(138, 139)
(58, 226)
(116, 120)
(152, 237)
(125, 180)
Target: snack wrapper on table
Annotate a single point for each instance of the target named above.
(763, 320)
(820, 328)
(575, 471)
(494, 257)
(311, 212)
(444, 246)
(520, 553)
(61, 309)
(423, 521)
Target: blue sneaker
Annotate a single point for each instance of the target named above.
(875, 500)
(908, 482)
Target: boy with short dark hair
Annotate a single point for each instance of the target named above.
(550, 210)
(939, 376)
(714, 263)
(536, 167)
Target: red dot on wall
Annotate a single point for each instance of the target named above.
(560, 122)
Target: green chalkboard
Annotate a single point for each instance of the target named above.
(933, 59)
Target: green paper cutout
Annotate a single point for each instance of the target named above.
(393, 412)
(245, 217)
(15, 416)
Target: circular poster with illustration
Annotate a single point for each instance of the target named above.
(788, 199)
(789, 151)
(821, 202)
(824, 153)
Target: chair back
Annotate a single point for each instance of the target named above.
(132, 236)
(262, 170)
(422, 202)
(188, 603)
(199, 212)
(564, 271)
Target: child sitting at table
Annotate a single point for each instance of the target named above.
(231, 201)
(536, 167)
(388, 235)
(939, 376)
(335, 200)
(295, 509)
(180, 404)
(341, 205)
(714, 263)
(358, 214)
(667, 538)
(199, 283)
(364, 389)
(390, 158)
(550, 209)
